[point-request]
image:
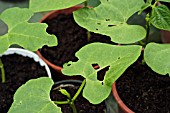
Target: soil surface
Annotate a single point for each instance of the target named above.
(71, 38)
(82, 104)
(143, 90)
(18, 70)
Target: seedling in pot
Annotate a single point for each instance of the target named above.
(71, 100)
(31, 36)
(116, 58)
(38, 99)
(156, 56)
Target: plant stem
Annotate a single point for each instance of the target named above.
(154, 5)
(147, 28)
(79, 90)
(72, 105)
(61, 102)
(2, 71)
(86, 3)
(148, 24)
(88, 36)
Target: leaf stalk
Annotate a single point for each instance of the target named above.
(2, 71)
(148, 24)
(79, 90)
(86, 3)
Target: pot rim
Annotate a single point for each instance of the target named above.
(49, 15)
(66, 83)
(30, 54)
(119, 101)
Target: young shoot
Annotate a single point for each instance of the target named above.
(70, 100)
(2, 71)
(148, 20)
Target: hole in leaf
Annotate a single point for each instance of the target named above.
(101, 73)
(99, 23)
(111, 25)
(107, 19)
(68, 64)
(95, 66)
(97, 29)
(118, 58)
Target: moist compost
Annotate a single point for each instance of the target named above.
(71, 37)
(143, 90)
(82, 104)
(18, 70)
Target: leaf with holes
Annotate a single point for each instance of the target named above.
(31, 36)
(157, 57)
(110, 18)
(116, 58)
(48, 5)
(33, 97)
(160, 17)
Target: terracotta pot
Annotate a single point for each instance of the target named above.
(122, 107)
(49, 16)
(165, 36)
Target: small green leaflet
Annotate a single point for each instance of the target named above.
(110, 18)
(33, 97)
(31, 36)
(65, 92)
(157, 57)
(48, 5)
(160, 17)
(117, 58)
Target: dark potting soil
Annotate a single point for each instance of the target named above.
(18, 70)
(82, 104)
(143, 90)
(71, 38)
